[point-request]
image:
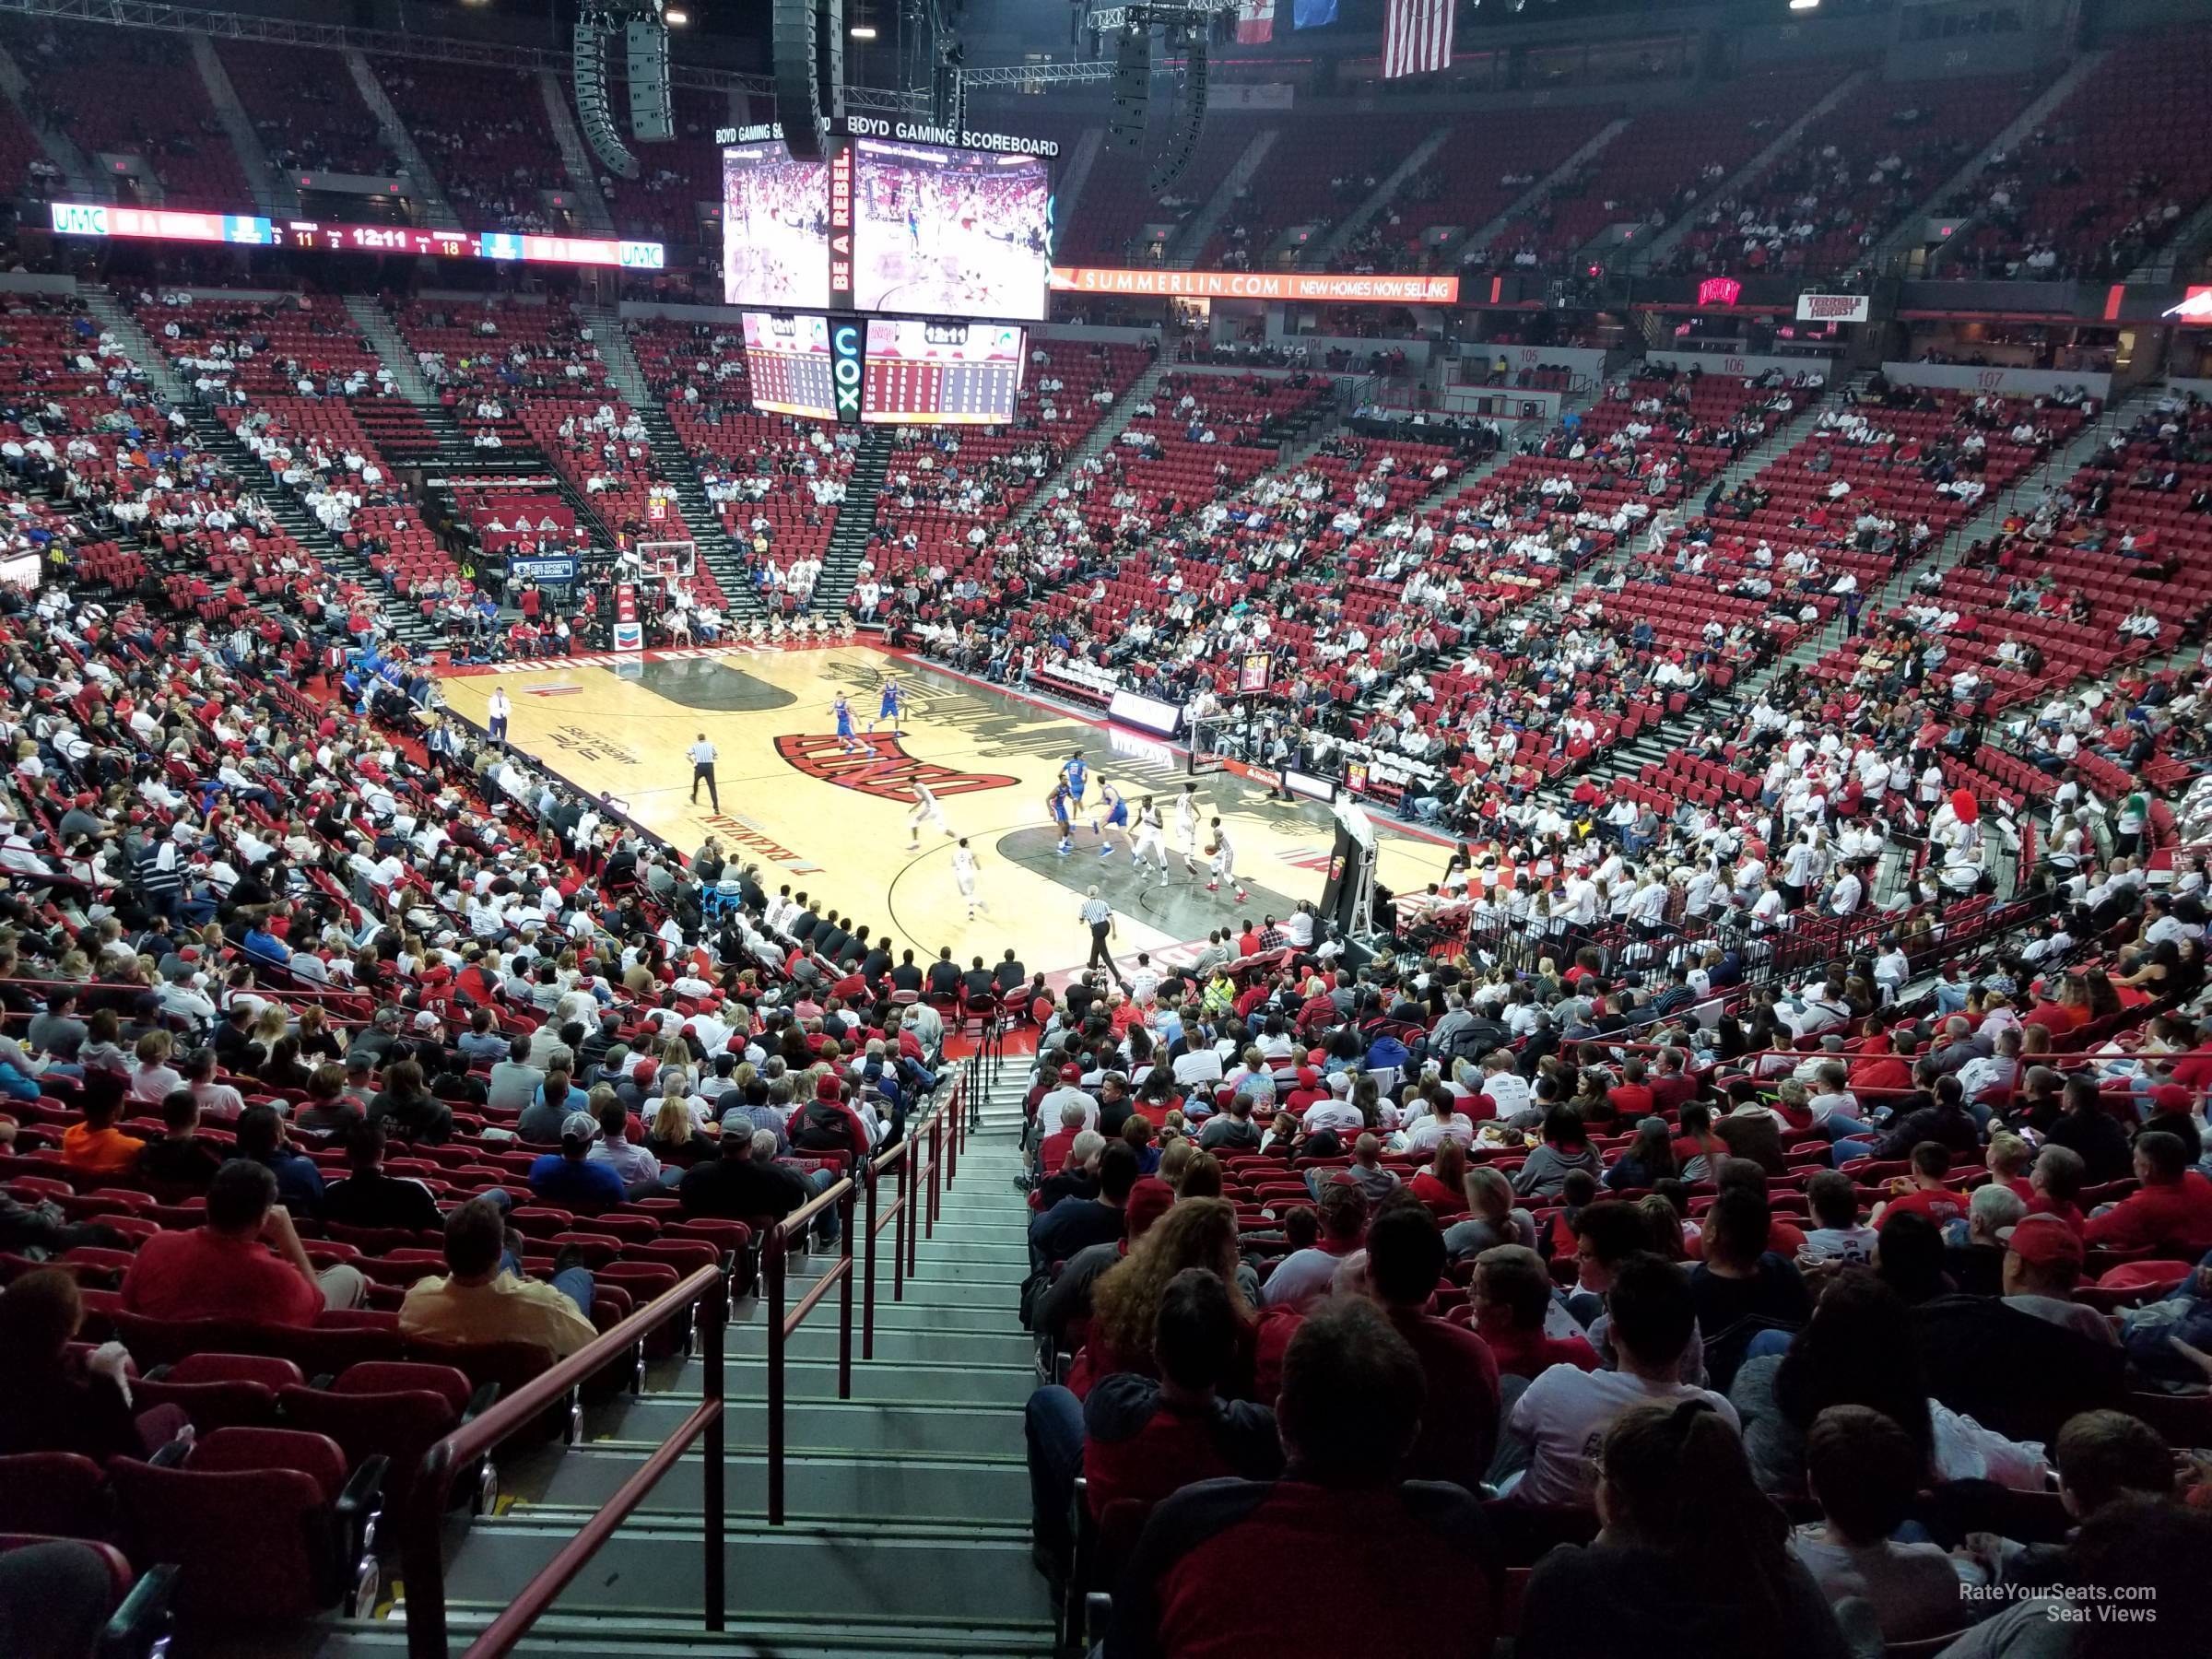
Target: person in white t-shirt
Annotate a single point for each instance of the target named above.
(1505, 1088)
(1561, 1418)
(1335, 1112)
(1841, 1238)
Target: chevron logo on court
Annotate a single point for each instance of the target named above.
(882, 768)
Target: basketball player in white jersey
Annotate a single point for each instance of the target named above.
(1186, 827)
(926, 811)
(1225, 861)
(963, 877)
(1149, 836)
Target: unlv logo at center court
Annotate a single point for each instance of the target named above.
(885, 770)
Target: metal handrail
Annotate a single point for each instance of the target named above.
(422, 1553)
(421, 1524)
(942, 1156)
(775, 1262)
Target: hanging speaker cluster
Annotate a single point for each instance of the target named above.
(809, 47)
(1182, 143)
(1131, 86)
(651, 118)
(644, 32)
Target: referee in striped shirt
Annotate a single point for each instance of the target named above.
(1099, 916)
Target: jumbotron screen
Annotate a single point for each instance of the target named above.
(940, 373)
(787, 362)
(775, 229)
(953, 232)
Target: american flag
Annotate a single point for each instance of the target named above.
(1417, 37)
(1256, 21)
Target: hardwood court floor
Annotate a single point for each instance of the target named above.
(835, 827)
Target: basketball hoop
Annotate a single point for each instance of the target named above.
(668, 563)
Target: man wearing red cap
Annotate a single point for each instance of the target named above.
(2042, 1264)
(826, 1124)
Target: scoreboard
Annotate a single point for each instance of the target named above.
(924, 373)
(788, 360)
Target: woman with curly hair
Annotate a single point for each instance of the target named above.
(1197, 1232)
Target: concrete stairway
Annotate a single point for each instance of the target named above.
(272, 193)
(115, 317)
(1907, 235)
(1324, 251)
(1484, 235)
(855, 523)
(1189, 240)
(1659, 247)
(437, 212)
(383, 336)
(76, 172)
(1099, 439)
(907, 1527)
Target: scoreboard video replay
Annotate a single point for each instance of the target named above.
(960, 236)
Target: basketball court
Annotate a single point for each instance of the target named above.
(834, 824)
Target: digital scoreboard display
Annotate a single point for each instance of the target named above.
(775, 229)
(787, 362)
(322, 236)
(883, 226)
(958, 233)
(945, 373)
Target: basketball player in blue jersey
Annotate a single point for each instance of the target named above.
(893, 707)
(1058, 805)
(846, 739)
(1114, 805)
(1075, 774)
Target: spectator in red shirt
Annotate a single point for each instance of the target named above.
(226, 1270)
(1144, 1437)
(1051, 1154)
(1922, 1192)
(1631, 1098)
(2170, 1212)
(1351, 1403)
(1442, 1186)
(2069, 1012)
(1513, 1300)
(1405, 1262)
(2193, 1069)
(1880, 1071)
(1673, 1087)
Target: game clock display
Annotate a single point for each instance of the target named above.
(940, 373)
